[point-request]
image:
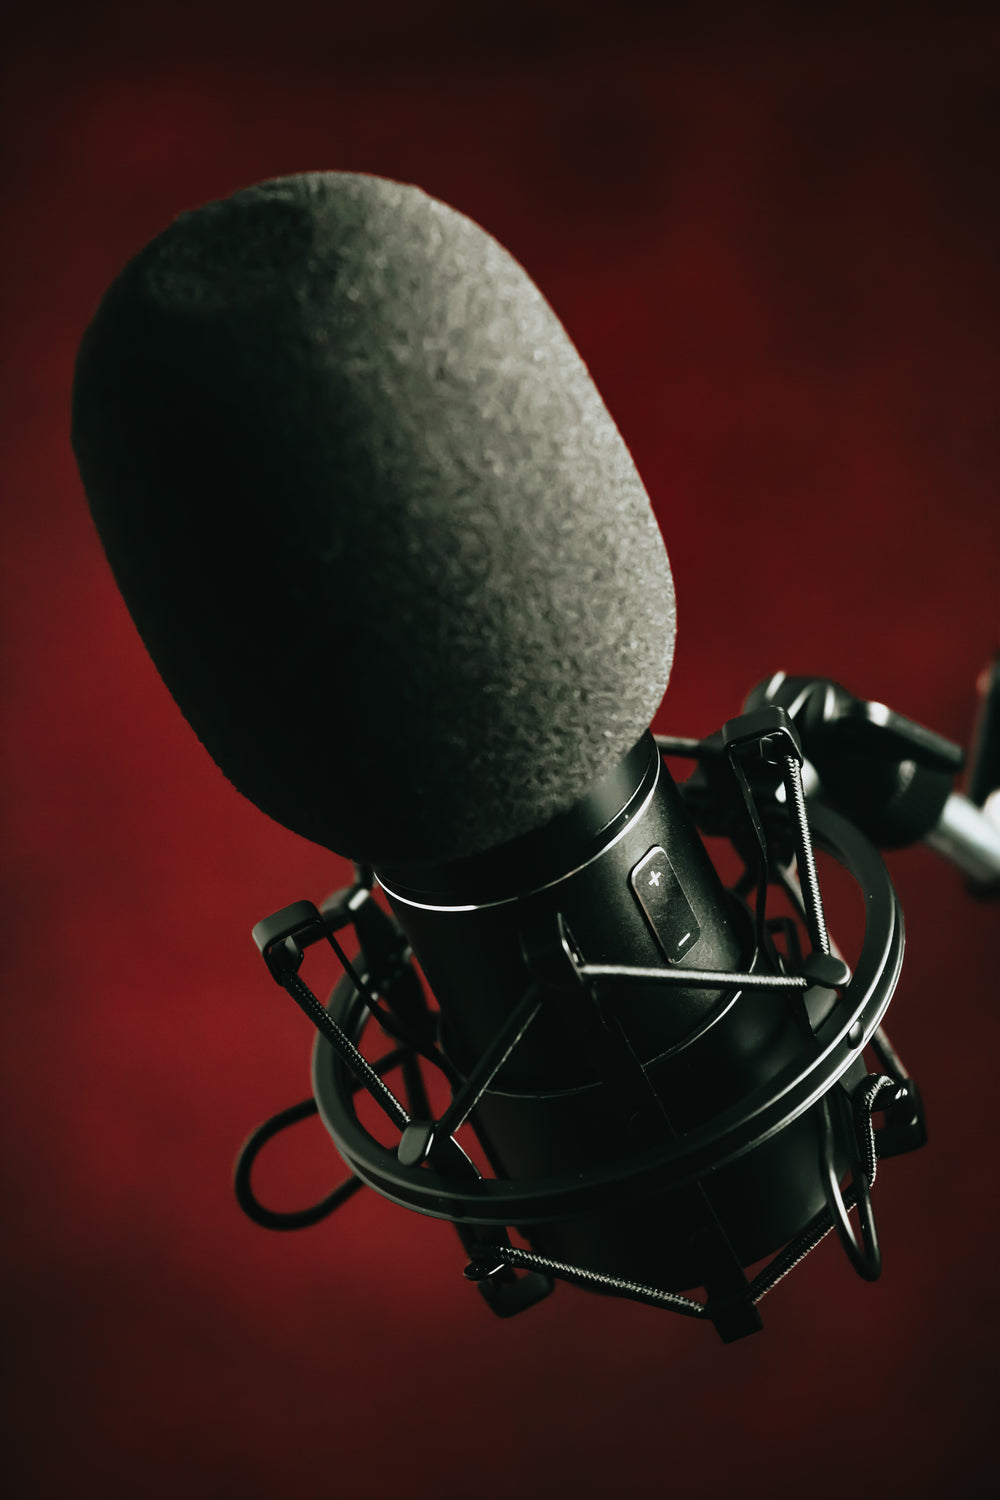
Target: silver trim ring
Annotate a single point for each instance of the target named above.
(524, 895)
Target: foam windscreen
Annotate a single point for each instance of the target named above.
(372, 518)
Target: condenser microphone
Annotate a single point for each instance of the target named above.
(394, 562)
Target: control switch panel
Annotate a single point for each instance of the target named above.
(667, 909)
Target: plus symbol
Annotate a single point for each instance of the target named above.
(654, 879)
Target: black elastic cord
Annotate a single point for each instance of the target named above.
(301, 1218)
(251, 1205)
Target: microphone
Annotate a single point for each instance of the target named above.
(351, 474)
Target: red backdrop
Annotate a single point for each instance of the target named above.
(776, 245)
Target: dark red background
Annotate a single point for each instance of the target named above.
(776, 242)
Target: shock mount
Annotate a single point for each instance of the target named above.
(748, 787)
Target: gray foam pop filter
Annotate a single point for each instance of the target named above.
(371, 517)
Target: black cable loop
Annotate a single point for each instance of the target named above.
(270, 1218)
(301, 1218)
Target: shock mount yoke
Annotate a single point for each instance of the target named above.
(748, 786)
